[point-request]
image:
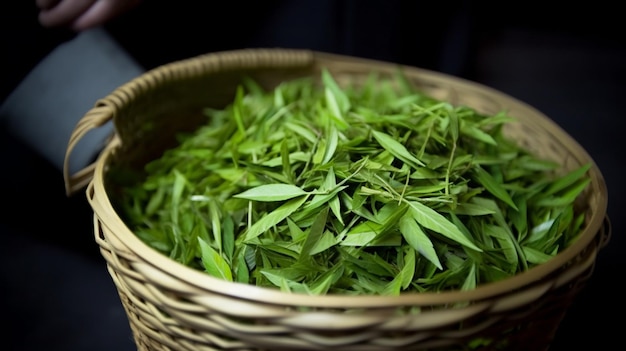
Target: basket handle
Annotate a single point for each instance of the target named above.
(94, 118)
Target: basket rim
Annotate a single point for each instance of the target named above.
(102, 206)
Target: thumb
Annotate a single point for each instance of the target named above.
(101, 12)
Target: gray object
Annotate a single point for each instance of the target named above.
(43, 110)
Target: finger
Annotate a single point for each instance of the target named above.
(64, 13)
(46, 4)
(101, 12)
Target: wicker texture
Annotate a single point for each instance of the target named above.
(173, 307)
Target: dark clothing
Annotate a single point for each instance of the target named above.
(24, 42)
(433, 35)
(428, 34)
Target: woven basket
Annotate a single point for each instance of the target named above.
(174, 307)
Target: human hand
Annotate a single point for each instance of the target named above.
(81, 14)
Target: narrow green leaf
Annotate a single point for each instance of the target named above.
(394, 287)
(366, 263)
(327, 241)
(341, 100)
(470, 280)
(278, 280)
(249, 255)
(322, 285)
(285, 159)
(301, 131)
(271, 192)
(317, 201)
(273, 218)
(315, 233)
(395, 148)
(177, 193)
(567, 198)
(297, 234)
(318, 156)
(568, 179)
(216, 223)
(535, 256)
(418, 240)
(279, 99)
(528, 162)
(478, 134)
(431, 219)
(241, 268)
(408, 270)
(331, 145)
(493, 186)
(156, 201)
(213, 263)
(362, 235)
(519, 218)
(238, 110)
(471, 209)
(228, 236)
(424, 173)
(506, 242)
(335, 207)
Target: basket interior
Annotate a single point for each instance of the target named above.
(171, 99)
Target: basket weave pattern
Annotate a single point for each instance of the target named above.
(172, 307)
(169, 314)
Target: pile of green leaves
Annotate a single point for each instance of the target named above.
(372, 189)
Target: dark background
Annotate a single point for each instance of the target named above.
(569, 62)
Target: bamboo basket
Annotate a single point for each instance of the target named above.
(173, 307)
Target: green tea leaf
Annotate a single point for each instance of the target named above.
(278, 280)
(331, 146)
(273, 218)
(326, 280)
(535, 256)
(228, 237)
(395, 148)
(315, 233)
(505, 241)
(415, 236)
(478, 134)
(213, 263)
(341, 102)
(472, 209)
(216, 223)
(493, 186)
(567, 180)
(470, 280)
(408, 270)
(431, 219)
(326, 241)
(271, 192)
(567, 198)
(240, 268)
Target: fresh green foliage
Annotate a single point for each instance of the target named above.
(318, 188)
